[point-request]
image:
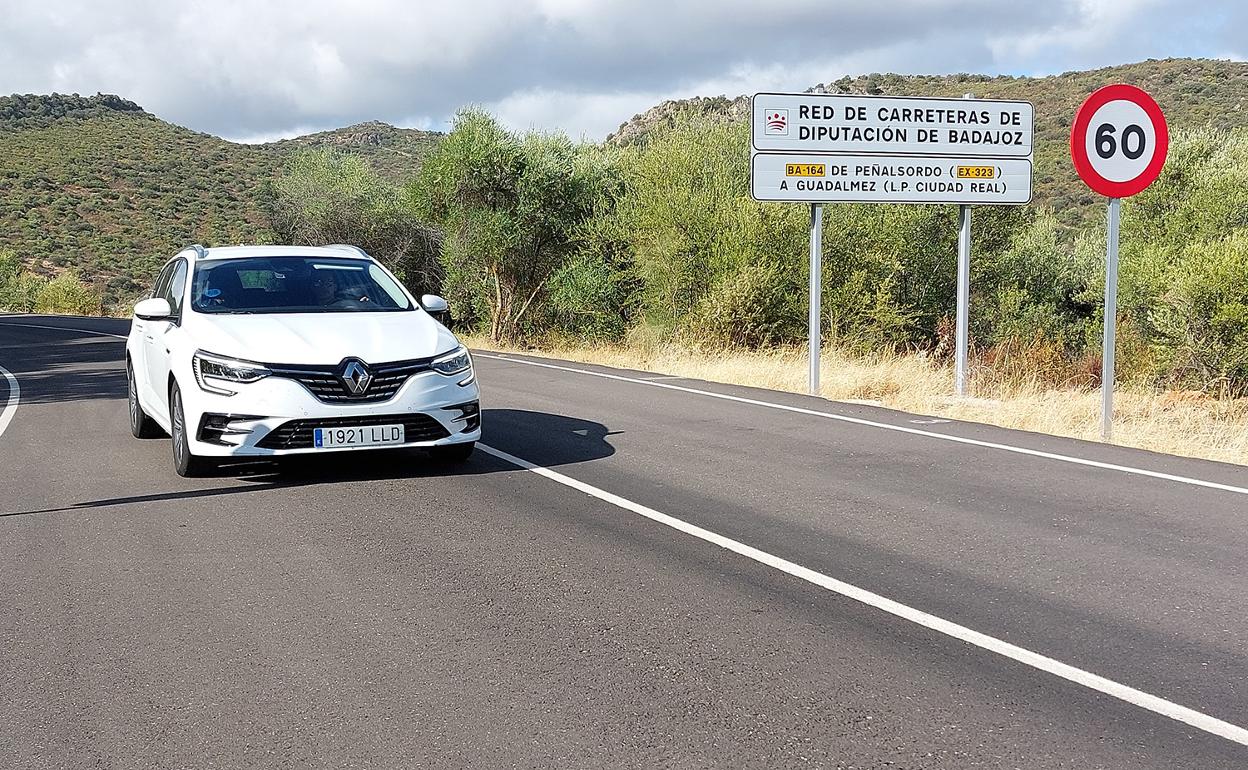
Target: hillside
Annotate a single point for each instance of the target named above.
(1193, 93)
(98, 184)
(394, 152)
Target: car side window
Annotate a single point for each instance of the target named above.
(162, 281)
(175, 289)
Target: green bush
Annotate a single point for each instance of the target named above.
(1037, 287)
(753, 306)
(590, 300)
(68, 295)
(1200, 324)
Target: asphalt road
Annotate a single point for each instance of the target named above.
(376, 611)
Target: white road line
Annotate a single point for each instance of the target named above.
(885, 426)
(65, 329)
(10, 407)
(1035, 660)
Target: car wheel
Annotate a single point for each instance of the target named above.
(185, 463)
(452, 453)
(141, 426)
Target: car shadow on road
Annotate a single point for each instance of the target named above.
(539, 437)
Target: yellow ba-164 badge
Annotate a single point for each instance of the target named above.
(805, 169)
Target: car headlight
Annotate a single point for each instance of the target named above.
(211, 369)
(458, 360)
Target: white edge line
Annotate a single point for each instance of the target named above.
(1034, 660)
(10, 407)
(885, 426)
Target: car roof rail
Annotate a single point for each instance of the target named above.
(200, 251)
(349, 247)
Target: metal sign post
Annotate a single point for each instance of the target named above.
(962, 333)
(1118, 143)
(816, 295)
(1111, 321)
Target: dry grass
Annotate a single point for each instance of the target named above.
(1176, 422)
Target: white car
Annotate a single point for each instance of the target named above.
(258, 351)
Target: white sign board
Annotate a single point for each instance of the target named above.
(892, 125)
(810, 178)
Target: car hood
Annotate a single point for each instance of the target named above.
(322, 338)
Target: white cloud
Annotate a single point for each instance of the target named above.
(247, 69)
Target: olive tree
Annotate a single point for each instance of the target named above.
(326, 197)
(508, 207)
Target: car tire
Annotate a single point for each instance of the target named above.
(186, 464)
(141, 426)
(452, 453)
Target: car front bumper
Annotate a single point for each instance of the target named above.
(274, 416)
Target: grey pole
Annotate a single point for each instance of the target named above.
(816, 293)
(962, 333)
(1111, 317)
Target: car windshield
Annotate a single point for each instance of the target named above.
(295, 285)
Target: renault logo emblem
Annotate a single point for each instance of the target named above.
(355, 377)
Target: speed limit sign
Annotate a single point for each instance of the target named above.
(1119, 141)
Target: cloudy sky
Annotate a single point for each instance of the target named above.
(257, 70)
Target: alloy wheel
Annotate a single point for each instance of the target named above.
(179, 440)
(132, 395)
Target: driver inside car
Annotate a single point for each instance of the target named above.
(325, 290)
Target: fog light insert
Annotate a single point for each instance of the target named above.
(213, 428)
(469, 414)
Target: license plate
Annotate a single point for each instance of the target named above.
(368, 435)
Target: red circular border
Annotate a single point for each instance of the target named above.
(1078, 140)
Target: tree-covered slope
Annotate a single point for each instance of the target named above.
(394, 152)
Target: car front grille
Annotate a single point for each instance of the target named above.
(297, 434)
(326, 382)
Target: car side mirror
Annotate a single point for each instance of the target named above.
(436, 307)
(433, 304)
(153, 309)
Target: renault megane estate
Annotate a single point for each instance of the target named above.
(255, 351)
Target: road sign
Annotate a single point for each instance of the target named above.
(1119, 141)
(891, 125)
(827, 148)
(812, 178)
